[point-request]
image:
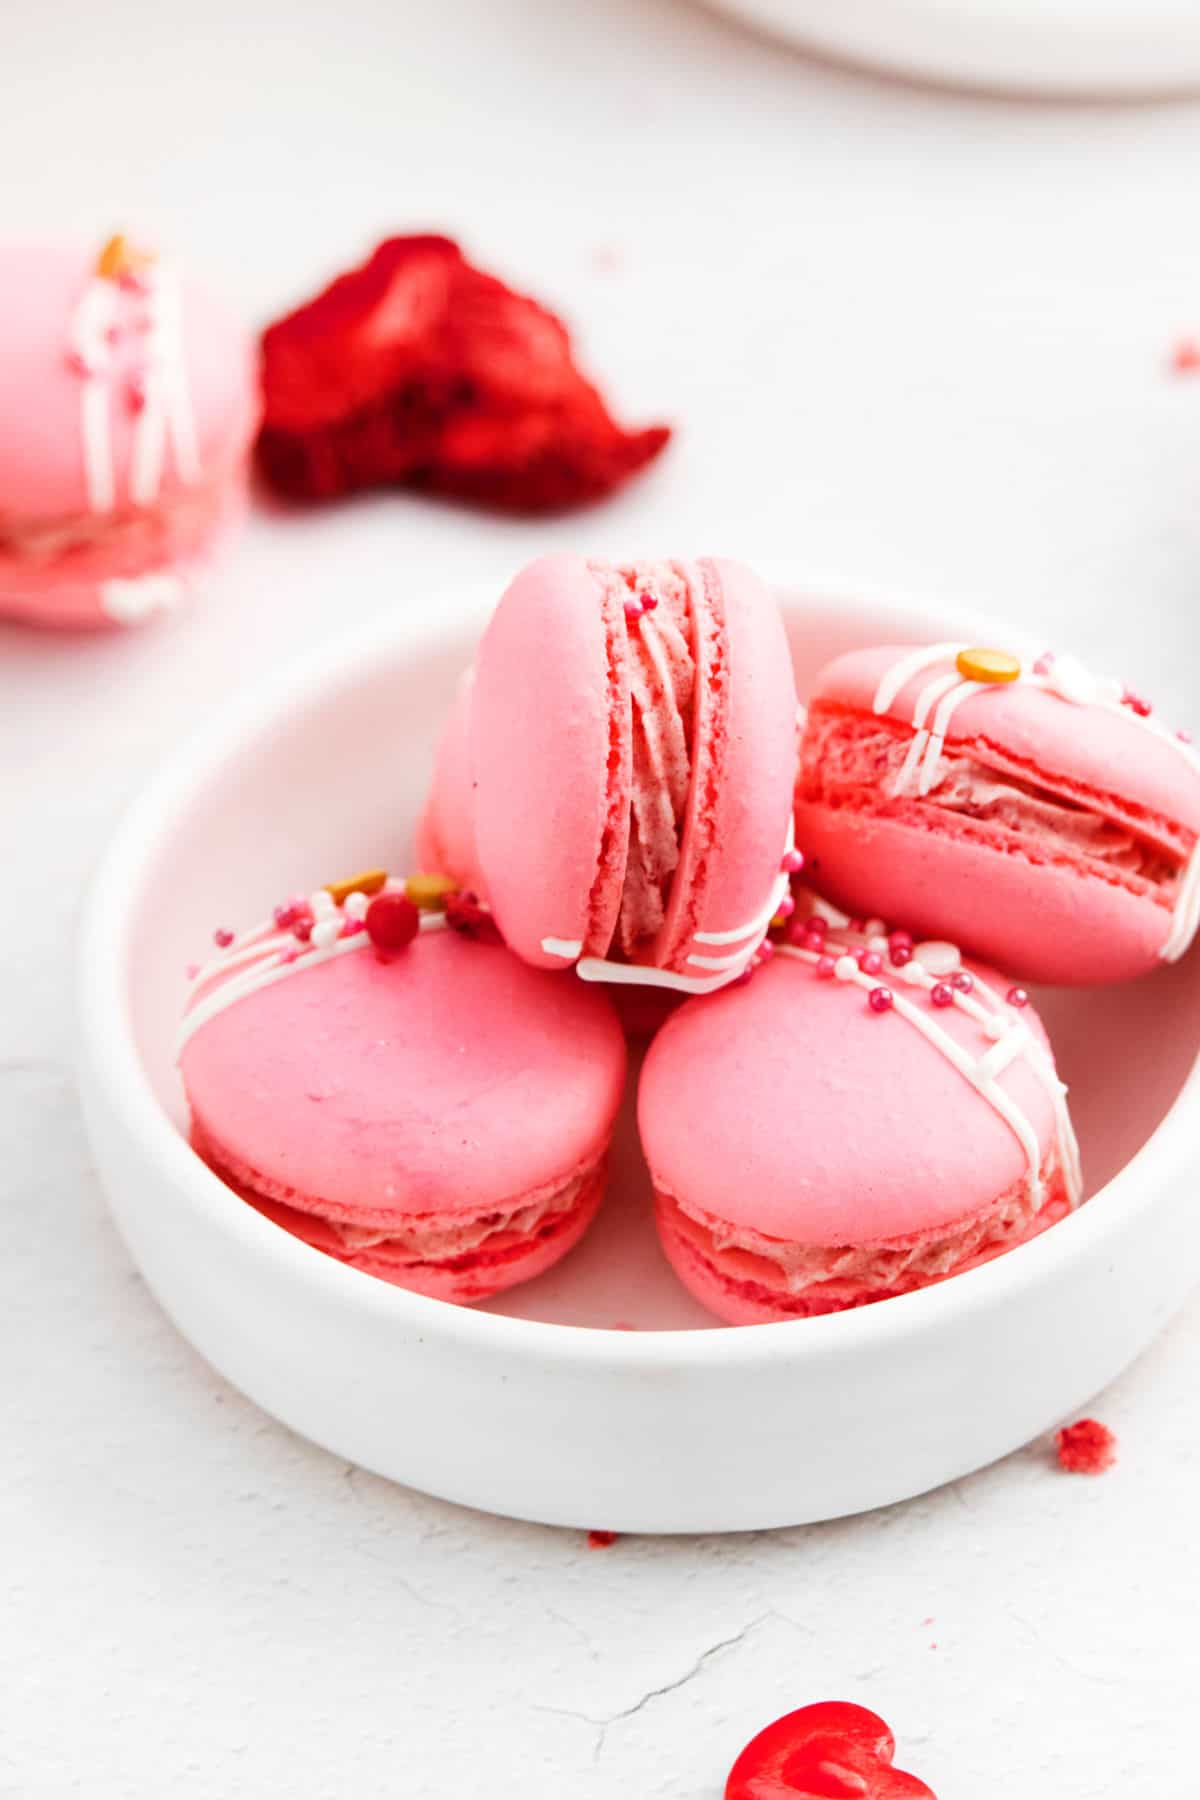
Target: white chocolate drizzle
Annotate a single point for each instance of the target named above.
(1067, 679)
(151, 307)
(1006, 1036)
(268, 953)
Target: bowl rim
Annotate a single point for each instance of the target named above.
(112, 1071)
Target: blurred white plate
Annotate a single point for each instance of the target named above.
(1080, 47)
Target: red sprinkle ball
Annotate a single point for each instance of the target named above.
(392, 921)
(466, 913)
(222, 938)
(1017, 996)
(1136, 704)
(793, 863)
(942, 994)
(962, 981)
(881, 1000)
(418, 368)
(1086, 1448)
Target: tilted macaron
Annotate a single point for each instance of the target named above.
(863, 1118)
(1047, 820)
(630, 746)
(390, 1084)
(130, 401)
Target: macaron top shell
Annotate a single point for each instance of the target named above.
(1095, 744)
(790, 1108)
(440, 1080)
(43, 476)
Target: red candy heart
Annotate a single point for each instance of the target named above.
(419, 368)
(833, 1751)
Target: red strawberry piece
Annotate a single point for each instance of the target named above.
(832, 1751)
(419, 369)
(1086, 1448)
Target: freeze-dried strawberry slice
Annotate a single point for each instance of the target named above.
(418, 368)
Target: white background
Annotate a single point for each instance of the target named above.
(911, 341)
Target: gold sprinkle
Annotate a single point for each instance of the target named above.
(988, 665)
(370, 882)
(430, 892)
(119, 257)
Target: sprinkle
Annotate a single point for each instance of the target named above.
(900, 955)
(1136, 704)
(1016, 996)
(991, 666)
(633, 610)
(938, 958)
(466, 913)
(870, 962)
(799, 935)
(288, 911)
(1185, 357)
(1086, 1448)
(785, 909)
(1185, 737)
(356, 904)
(290, 954)
(648, 602)
(321, 904)
(601, 1540)
(845, 968)
(351, 926)
(826, 968)
(942, 994)
(302, 930)
(135, 395)
(817, 927)
(79, 365)
(1044, 663)
(881, 1000)
(371, 881)
(962, 981)
(873, 928)
(430, 892)
(792, 862)
(879, 944)
(325, 932)
(392, 921)
(222, 938)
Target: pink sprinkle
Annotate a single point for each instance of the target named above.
(302, 930)
(1044, 663)
(743, 978)
(855, 927)
(870, 962)
(290, 954)
(1136, 704)
(765, 951)
(942, 995)
(900, 955)
(192, 970)
(135, 395)
(900, 936)
(78, 365)
(633, 610)
(222, 938)
(825, 968)
(793, 862)
(962, 981)
(786, 907)
(1016, 996)
(817, 927)
(881, 1000)
(799, 934)
(1185, 737)
(352, 927)
(649, 602)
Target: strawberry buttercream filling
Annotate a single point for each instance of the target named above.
(655, 603)
(855, 763)
(810, 1278)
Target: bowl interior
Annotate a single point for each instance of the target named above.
(328, 777)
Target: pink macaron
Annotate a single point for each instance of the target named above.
(865, 1117)
(366, 1075)
(629, 740)
(1045, 819)
(131, 400)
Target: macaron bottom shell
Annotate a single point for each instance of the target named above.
(516, 1242)
(744, 1287)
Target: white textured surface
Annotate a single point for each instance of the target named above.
(912, 341)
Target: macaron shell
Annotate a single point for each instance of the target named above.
(1045, 920)
(550, 750)
(1104, 750)
(376, 1090)
(744, 763)
(789, 1108)
(445, 836)
(41, 446)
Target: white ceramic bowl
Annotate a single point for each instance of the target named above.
(1122, 48)
(535, 1406)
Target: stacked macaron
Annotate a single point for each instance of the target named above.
(138, 402)
(842, 1110)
